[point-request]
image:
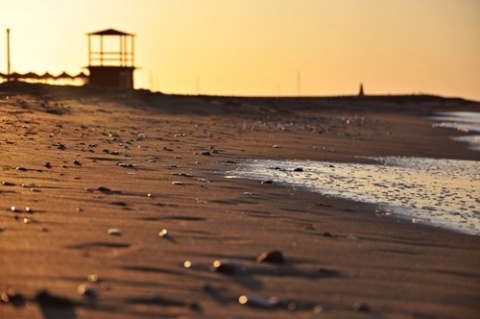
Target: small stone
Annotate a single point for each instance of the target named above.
(141, 137)
(267, 182)
(2, 228)
(29, 210)
(274, 257)
(190, 264)
(28, 185)
(93, 278)
(61, 147)
(14, 209)
(298, 169)
(276, 146)
(27, 221)
(205, 153)
(5, 183)
(361, 306)
(229, 267)
(87, 290)
(47, 165)
(114, 232)
(10, 296)
(75, 162)
(255, 301)
(164, 233)
(21, 168)
(178, 183)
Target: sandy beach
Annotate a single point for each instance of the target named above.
(115, 205)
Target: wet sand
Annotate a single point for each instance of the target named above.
(87, 161)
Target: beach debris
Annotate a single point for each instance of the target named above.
(164, 233)
(11, 296)
(45, 298)
(255, 301)
(190, 264)
(88, 292)
(127, 165)
(228, 267)
(361, 306)
(93, 278)
(115, 232)
(273, 257)
(106, 190)
(21, 168)
(60, 146)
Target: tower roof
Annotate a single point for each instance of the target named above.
(110, 32)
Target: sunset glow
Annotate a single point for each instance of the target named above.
(267, 47)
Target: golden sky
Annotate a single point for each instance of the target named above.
(261, 47)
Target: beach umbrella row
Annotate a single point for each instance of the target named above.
(44, 76)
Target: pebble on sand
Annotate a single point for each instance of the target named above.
(361, 306)
(255, 301)
(164, 234)
(273, 257)
(115, 232)
(229, 267)
(21, 168)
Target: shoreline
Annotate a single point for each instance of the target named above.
(342, 260)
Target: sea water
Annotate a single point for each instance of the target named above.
(465, 122)
(439, 192)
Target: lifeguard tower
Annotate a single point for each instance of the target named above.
(108, 66)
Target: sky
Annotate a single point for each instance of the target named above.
(261, 47)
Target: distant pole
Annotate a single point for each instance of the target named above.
(8, 54)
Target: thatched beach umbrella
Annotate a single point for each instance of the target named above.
(64, 75)
(31, 76)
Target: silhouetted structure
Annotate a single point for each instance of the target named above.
(111, 68)
(360, 93)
